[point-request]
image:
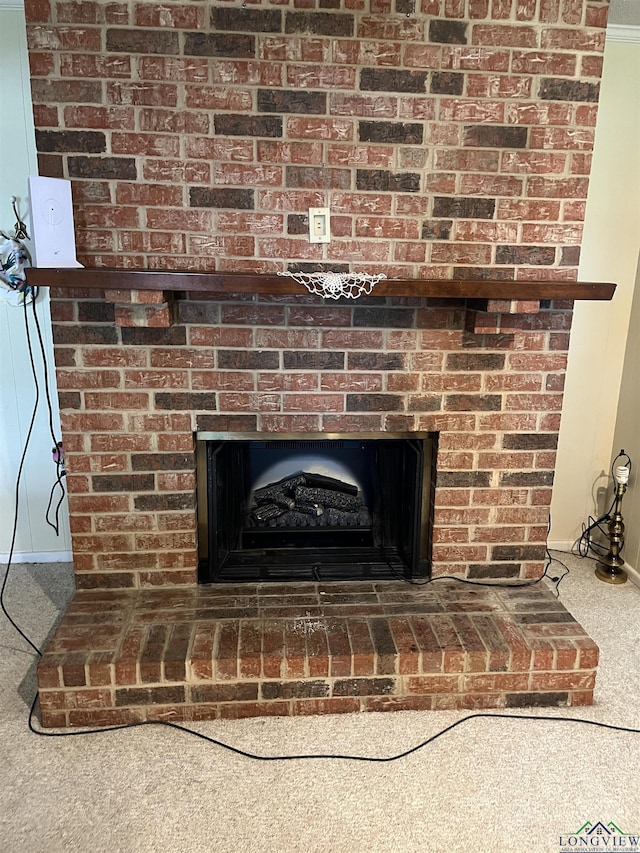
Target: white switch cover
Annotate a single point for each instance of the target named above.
(319, 226)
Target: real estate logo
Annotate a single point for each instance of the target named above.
(598, 836)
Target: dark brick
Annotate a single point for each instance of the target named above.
(227, 423)
(544, 617)
(483, 274)
(405, 7)
(428, 403)
(162, 461)
(175, 654)
(329, 4)
(392, 80)
(364, 686)
(69, 400)
(239, 692)
(494, 136)
(314, 177)
(292, 101)
(96, 312)
(164, 501)
(475, 361)
(464, 479)
(536, 700)
(530, 441)
(320, 360)
(537, 255)
(174, 695)
(239, 125)
(473, 402)
(163, 42)
(385, 318)
(374, 403)
(376, 361)
(319, 23)
(480, 571)
(447, 32)
(203, 313)
(315, 266)
(230, 359)
(570, 256)
(553, 89)
(217, 44)
(526, 478)
(464, 208)
(297, 223)
(151, 657)
(446, 83)
(66, 91)
(384, 645)
(84, 334)
(514, 553)
(247, 20)
(294, 689)
(123, 482)
(50, 166)
(391, 131)
(554, 382)
(108, 580)
(221, 197)
(383, 181)
(437, 229)
(176, 336)
(186, 402)
(107, 168)
(87, 141)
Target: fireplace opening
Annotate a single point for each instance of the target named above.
(314, 506)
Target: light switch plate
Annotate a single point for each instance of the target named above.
(319, 225)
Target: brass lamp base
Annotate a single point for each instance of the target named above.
(611, 574)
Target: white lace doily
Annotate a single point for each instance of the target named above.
(333, 285)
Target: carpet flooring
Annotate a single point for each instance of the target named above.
(487, 785)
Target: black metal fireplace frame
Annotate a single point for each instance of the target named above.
(398, 545)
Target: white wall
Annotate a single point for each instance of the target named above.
(35, 540)
(610, 250)
(627, 434)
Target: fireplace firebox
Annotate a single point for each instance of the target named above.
(313, 506)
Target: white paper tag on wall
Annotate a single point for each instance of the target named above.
(54, 240)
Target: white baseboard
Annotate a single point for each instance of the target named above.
(37, 557)
(560, 544)
(566, 545)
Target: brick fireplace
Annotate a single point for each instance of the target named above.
(452, 141)
(143, 640)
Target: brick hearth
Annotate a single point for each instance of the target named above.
(232, 651)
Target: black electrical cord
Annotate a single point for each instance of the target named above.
(495, 584)
(370, 759)
(57, 444)
(17, 486)
(585, 544)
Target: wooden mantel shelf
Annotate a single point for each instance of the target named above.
(238, 282)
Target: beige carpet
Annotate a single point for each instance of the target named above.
(489, 785)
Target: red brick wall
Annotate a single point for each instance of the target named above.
(452, 139)
(131, 399)
(449, 139)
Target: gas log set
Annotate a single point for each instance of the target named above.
(308, 500)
